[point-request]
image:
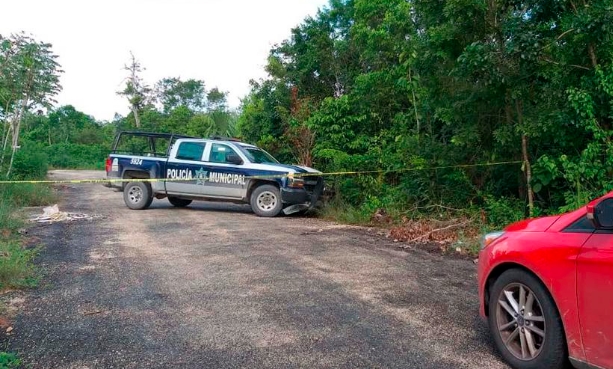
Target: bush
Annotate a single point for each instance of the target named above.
(29, 164)
(76, 156)
(26, 194)
(503, 211)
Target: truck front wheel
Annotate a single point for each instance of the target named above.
(138, 195)
(266, 201)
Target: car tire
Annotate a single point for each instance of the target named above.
(533, 336)
(138, 195)
(266, 201)
(179, 203)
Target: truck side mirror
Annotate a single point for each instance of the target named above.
(234, 159)
(600, 212)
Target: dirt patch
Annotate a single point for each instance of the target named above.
(457, 238)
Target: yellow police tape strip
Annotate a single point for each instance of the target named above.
(295, 175)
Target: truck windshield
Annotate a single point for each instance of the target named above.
(258, 156)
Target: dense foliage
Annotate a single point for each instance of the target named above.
(408, 84)
(423, 91)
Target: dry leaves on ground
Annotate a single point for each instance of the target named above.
(435, 235)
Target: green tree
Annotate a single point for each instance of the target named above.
(29, 78)
(173, 93)
(136, 90)
(407, 84)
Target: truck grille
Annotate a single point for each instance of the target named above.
(314, 186)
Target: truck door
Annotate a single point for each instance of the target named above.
(225, 177)
(185, 169)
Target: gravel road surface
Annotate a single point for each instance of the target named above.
(214, 286)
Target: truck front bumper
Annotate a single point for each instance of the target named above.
(309, 195)
(293, 196)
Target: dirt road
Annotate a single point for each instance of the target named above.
(214, 286)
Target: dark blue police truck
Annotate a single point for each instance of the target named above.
(183, 169)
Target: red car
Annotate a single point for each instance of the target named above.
(546, 289)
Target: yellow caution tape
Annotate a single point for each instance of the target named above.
(314, 174)
(408, 169)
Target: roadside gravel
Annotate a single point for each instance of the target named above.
(214, 286)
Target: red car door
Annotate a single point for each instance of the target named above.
(595, 298)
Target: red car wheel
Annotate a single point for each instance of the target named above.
(525, 322)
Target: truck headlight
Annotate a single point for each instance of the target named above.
(294, 182)
(489, 238)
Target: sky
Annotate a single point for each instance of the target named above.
(223, 42)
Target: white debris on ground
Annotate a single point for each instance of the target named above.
(52, 214)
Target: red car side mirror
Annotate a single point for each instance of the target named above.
(600, 212)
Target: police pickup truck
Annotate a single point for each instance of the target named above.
(183, 169)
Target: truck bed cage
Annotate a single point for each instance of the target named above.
(154, 144)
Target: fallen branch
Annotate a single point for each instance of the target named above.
(438, 230)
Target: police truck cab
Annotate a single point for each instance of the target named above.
(182, 169)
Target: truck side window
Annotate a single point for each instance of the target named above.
(190, 151)
(219, 153)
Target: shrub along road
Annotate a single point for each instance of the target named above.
(215, 286)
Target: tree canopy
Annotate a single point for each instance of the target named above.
(396, 84)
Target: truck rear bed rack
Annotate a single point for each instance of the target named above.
(153, 144)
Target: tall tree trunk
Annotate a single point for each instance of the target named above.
(528, 168)
(525, 156)
(592, 53)
(6, 134)
(415, 108)
(14, 148)
(136, 117)
(17, 123)
(14, 143)
(17, 128)
(6, 137)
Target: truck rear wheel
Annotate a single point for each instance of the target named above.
(266, 201)
(179, 203)
(138, 195)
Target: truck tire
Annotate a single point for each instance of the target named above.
(179, 203)
(266, 201)
(138, 195)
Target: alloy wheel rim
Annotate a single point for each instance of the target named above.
(135, 194)
(520, 321)
(267, 201)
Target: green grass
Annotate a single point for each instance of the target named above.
(345, 214)
(26, 194)
(16, 262)
(9, 222)
(9, 360)
(16, 266)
